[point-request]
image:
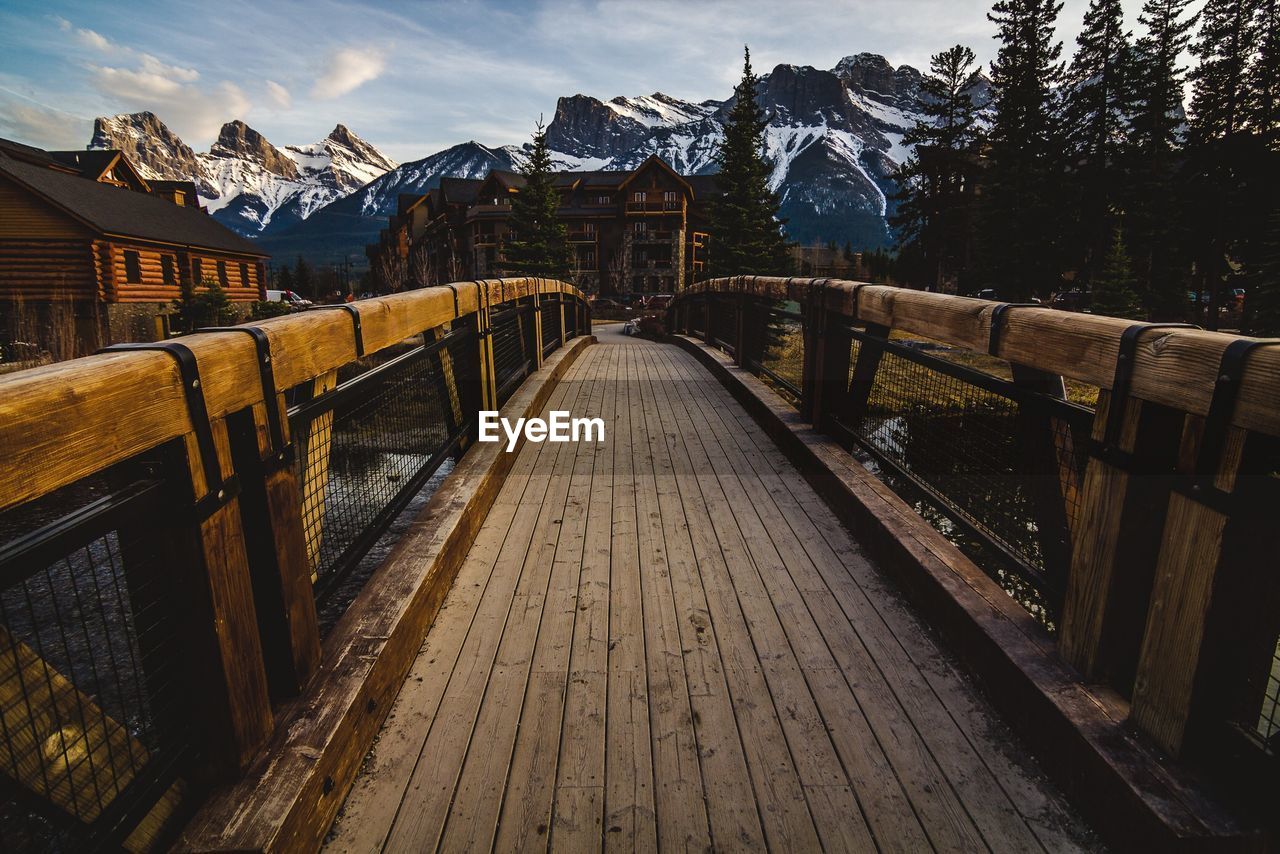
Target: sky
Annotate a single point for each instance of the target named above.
(415, 77)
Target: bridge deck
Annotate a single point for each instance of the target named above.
(668, 640)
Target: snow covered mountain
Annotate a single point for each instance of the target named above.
(341, 229)
(834, 140)
(247, 183)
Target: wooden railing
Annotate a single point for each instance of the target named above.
(1162, 504)
(168, 518)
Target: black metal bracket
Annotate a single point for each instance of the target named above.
(279, 451)
(454, 290)
(998, 320)
(355, 323)
(1217, 422)
(1107, 449)
(219, 491)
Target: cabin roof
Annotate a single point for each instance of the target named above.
(117, 211)
(460, 189)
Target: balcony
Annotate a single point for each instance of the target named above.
(583, 236)
(661, 206)
(654, 236)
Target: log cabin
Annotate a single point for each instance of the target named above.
(84, 230)
(641, 230)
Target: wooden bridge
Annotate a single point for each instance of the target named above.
(852, 569)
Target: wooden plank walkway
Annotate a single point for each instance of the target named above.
(667, 641)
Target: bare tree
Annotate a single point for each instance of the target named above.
(392, 270)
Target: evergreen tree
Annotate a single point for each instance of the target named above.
(936, 181)
(1021, 204)
(1096, 120)
(540, 245)
(1152, 204)
(1223, 162)
(1114, 287)
(746, 234)
(1224, 46)
(305, 280)
(1262, 298)
(284, 279)
(1264, 76)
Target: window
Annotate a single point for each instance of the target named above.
(179, 197)
(669, 196)
(132, 267)
(197, 271)
(244, 276)
(604, 200)
(169, 270)
(222, 273)
(642, 227)
(637, 196)
(589, 227)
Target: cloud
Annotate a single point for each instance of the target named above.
(31, 122)
(348, 69)
(279, 95)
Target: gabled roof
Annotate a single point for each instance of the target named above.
(406, 202)
(94, 163)
(125, 213)
(703, 186)
(655, 160)
(30, 154)
(459, 190)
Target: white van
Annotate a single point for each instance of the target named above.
(288, 297)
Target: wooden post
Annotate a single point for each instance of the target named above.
(271, 505)
(830, 387)
(537, 331)
(228, 679)
(708, 300)
(864, 374)
(1116, 540)
(560, 313)
(740, 331)
(1176, 681)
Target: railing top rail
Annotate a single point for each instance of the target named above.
(1175, 368)
(62, 422)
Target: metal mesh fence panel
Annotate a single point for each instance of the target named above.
(513, 353)
(364, 449)
(94, 726)
(550, 310)
(782, 360)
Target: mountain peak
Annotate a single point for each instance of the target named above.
(157, 151)
(237, 139)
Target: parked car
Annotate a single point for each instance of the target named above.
(606, 303)
(657, 302)
(288, 297)
(631, 327)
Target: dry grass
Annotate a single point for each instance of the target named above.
(785, 357)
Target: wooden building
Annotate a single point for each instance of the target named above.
(632, 231)
(85, 230)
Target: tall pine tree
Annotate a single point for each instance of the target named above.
(1264, 76)
(1152, 203)
(1097, 126)
(540, 246)
(936, 197)
(746, 234)
(1223, 163)
(1021, 204)
(1113, 287)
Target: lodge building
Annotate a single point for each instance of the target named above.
(84, 232)
(631, 231)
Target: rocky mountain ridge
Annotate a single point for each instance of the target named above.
(246, 182)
